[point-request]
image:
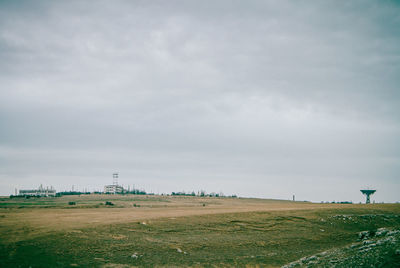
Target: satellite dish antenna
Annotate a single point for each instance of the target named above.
(367, 193)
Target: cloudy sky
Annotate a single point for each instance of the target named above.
(255, 98)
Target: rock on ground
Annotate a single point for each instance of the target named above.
(374, 249)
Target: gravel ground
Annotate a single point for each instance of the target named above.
(380, 248)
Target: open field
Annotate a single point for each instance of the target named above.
(190, 231)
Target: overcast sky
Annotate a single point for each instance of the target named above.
(255, 98)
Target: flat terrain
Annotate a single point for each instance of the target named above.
(186, 231)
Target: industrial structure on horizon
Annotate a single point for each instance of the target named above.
(42, 191)
(114, 188)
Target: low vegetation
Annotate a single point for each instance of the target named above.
(194, 231)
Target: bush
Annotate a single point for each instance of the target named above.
(108, 203)
(71, 203)
(136, 205)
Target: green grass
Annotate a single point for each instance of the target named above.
(238, 239)
(83, 201)
(266, 239)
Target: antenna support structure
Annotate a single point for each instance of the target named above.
(367, 193)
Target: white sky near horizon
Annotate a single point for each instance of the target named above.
(255, 98)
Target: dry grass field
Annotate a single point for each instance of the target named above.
(158, 231)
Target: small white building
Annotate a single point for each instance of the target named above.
(38, 192)
(113, 189)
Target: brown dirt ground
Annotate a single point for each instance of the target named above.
(32, 222)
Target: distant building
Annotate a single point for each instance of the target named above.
(113, 189)
(38, 192)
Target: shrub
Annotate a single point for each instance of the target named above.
(109, 203)
(71, 203)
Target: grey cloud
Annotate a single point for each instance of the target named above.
(201, 93)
